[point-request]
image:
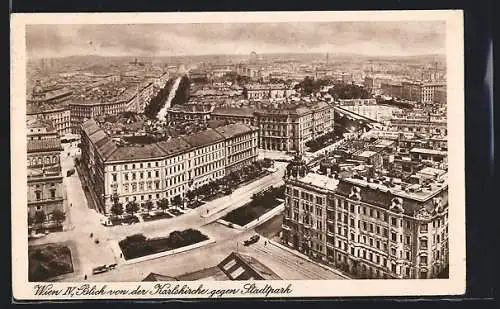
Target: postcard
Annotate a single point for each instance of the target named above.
(237, 155)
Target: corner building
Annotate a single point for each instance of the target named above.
(373, 229)
(149, 172)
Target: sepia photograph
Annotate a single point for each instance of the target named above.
(237, 154)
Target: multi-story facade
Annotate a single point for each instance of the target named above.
(207, 157)
(374, 228)
(45, 188)
(288, 128)
(40, 129)
(234, 115)
(59, 115)
(429, 91)
(80, 111)
(198, 112)
(419, 123)
(283, 127)
(241, 142)
(267, 91)
(164, 169)
(420, 92)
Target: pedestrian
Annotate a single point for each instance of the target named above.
(121, 255)
(91, 235)
(85, 278)
(265, 243)
(207, 211)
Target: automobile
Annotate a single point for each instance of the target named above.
(227, 191)
(271, 169)
(70, 172)
(100, 269)
(112, 266)
(106, 222)
(252, 240)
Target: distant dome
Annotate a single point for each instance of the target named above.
(253, 57)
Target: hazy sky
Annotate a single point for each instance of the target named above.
(369, 38)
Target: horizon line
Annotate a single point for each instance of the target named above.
(260, 54)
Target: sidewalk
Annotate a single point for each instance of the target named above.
(305, 257)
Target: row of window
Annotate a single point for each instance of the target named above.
(208, 158)
(208, 168)
(43, 160)
(240, 156)
(39, 194)
(139, 165)
(141, 186)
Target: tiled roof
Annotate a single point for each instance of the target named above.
(124, 153)
(90, 127)
(204, 138)
(235, 129)
(174, 146)
(232, 111)
(41, 123)
(36, 109)
(50, 144)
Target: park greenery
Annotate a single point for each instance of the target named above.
(261, 203)
(138, 245)
(48, 261)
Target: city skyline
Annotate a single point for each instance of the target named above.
(163, 40)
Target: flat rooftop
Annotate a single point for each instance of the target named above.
(321, 181)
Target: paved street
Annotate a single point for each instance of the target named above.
(287, 265)
(198, 217)
(84, 221)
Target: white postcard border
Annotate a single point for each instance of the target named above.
(455, 285)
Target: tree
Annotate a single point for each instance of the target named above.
(132, 207)
(117, 209)
(190, 194)
(58, 216)
(176, 239)
(39, 217)
(177, 201)
(163, 204)
(31, 219)
(148, 205)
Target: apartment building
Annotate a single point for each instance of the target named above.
(149, 172)
(241, 142)
(40, 129)
(83, 110)
(371, 228)
(267, 91)
(59, 115)
(419, 123)
(45, 188)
